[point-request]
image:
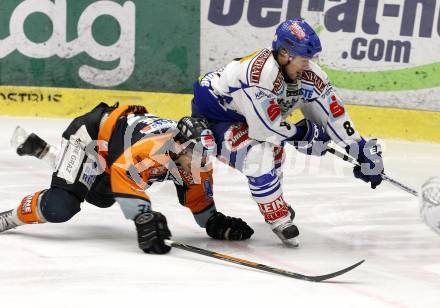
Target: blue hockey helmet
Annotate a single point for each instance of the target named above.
(298, 37)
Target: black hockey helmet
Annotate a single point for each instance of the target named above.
(195, 134)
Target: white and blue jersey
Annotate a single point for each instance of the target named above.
(253, 90)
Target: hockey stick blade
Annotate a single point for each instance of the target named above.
(259, 266)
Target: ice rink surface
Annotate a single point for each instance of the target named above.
(93, 260)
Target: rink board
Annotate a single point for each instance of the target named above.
(62, 102)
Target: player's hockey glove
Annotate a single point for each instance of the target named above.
(223, 227)
(152, 230)
(368, 154)
(311, 138)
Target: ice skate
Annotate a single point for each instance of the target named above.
(286, 231)
(28, 144)
(6, 221)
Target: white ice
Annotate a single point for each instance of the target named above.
(93, 260)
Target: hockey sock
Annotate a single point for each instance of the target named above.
(28, 211)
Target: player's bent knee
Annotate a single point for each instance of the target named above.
(58, 205)
(100, 193)
(99, 199)
(259, 160)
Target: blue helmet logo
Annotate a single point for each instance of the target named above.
(298, 37)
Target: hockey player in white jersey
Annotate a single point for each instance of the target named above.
(247, 103)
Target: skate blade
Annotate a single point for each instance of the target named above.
(18, 137)
(291, 243)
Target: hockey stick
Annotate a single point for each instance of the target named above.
(259, 266)
(431, 220)
(383, 175)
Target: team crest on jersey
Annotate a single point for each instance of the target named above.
(236, 137)
(311, 77)
(296, 30)
(257, 66)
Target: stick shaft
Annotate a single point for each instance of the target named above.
(259, 266)
(384, 176)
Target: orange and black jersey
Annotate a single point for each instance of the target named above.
(138, 156)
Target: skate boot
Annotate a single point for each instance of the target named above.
(28, 144)
(286, 230)
(32, 145)
(6, 221)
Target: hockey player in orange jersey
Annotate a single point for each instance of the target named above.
(116, 153)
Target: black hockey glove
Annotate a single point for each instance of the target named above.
(371, 162)
(223, 227)
(152, 230)
(311, 138)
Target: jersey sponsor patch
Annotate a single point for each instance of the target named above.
(71, 161)
(236, 137)
(335, 108)
(311, 77)
(278, 83)
(307, 91)
(257, 66)
(259, 94)
(89, 173)
(272, 109)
